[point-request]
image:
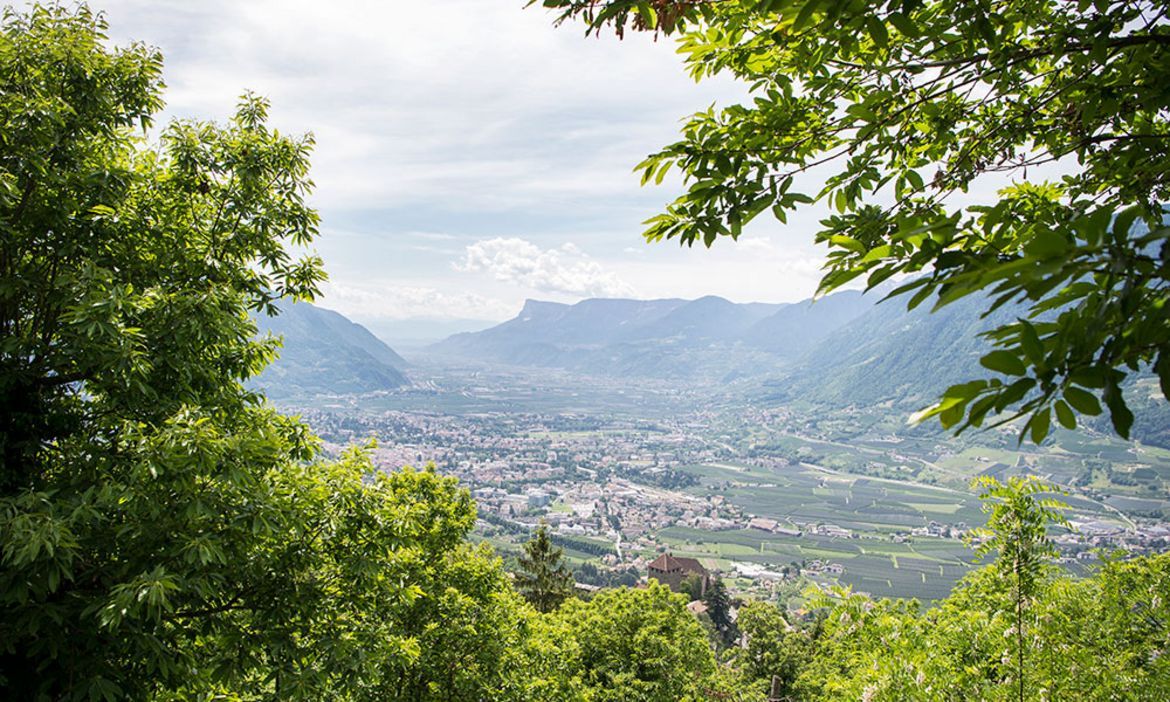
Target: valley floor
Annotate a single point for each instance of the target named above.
(772, 496)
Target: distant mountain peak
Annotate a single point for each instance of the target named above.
(534, 304)
(540, 308)
(646, 337)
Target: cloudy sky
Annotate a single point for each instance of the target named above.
(469, 155)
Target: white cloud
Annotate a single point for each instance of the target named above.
(769, 263)
(391, 301)
(433, 236)
(566, 269)
(471, 103)
(445, 122)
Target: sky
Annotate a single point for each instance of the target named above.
(469, 155)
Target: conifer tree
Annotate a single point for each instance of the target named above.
(719, 609)
(544, 580)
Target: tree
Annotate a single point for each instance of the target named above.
(692, 586)
(719, 609)
(546, 666)
(1017, 532)
(890, 112)
(1017, 628)
(164, 534)
(1104, 637)
(638, 644)
(776, 652)
(544, 580)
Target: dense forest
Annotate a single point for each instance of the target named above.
(166, 534)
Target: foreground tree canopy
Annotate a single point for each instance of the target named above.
(165, 535)
(900, 116)
(162, 532)
(1018, 629)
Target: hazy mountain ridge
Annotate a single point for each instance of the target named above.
(709, 318)
(813, 319)
(890, 354)
(709, 337)
(326, 353)
(843, 349)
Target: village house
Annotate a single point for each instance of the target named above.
(672, 571)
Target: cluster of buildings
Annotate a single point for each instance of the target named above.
(502, 448)
(619, 509)
(941, 531)
(531, 467)
(1088, 536)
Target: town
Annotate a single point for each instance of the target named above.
(617, 491)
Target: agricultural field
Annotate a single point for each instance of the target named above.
(655, 460)
(873, 510)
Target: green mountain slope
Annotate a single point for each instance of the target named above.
(794, 329)
(890, 355)
(325, 353)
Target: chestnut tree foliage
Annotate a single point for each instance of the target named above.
(164, 533)
(897, 115)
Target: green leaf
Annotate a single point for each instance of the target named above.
(1039, 425)
(1092, 377)
(1046, 243)
(1082, 401)
(1162, 368)
(1092, 226)
(877, 253)
(1014, 393)
(918, 297)
(1004, 362)
(877, 30)
(952, 415)
(1064, 415)
(903, 24)
(863, 112)
(1124, 222)
(915, 180)
(648, 14)
(1119, 412)
(805, 16)
(1031, 344)
(662, 172)
(847, 242)
(879, 276)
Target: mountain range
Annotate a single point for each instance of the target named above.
(323, 353)
(707, 338)
(839, 350)
(889, 354)
(842, 350)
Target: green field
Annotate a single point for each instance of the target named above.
(873, 509)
